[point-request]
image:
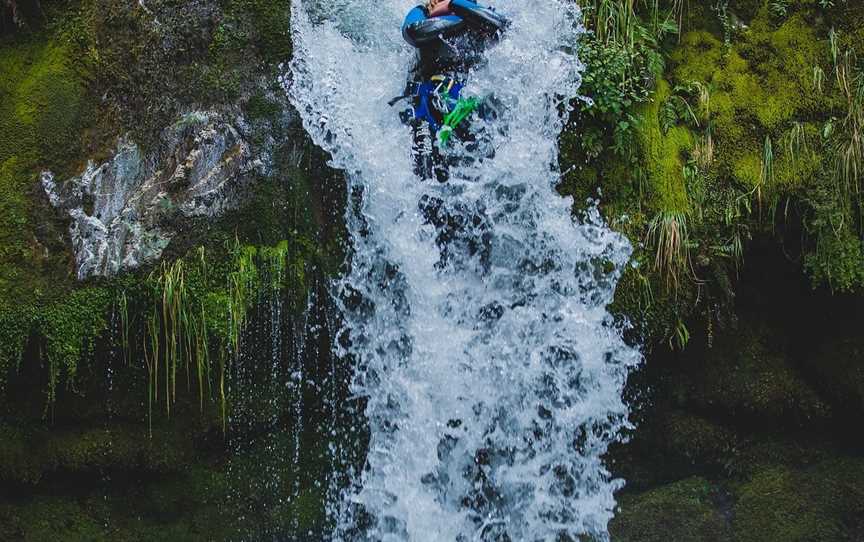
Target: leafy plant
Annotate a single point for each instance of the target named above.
(680, 336)
(721, 8)
(667, 233)
(779, 8)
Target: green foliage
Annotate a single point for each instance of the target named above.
(70, 326)
(615, 78)
(838, 258)
(755, 128)
(16, 322)
(667, 234)
(198, 313)
(779, 8)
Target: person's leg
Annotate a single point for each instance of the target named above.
(428, 162)
(422, 149)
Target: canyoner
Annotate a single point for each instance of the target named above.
(450, 37)
(488, 368)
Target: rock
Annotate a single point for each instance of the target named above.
(821, 502)
(125, 211)
(684, 510)
(15, 14)
(749, 376)
(838, 367)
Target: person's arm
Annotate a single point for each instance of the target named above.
(478, 15)
(420, 29)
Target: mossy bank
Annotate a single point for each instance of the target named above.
(124, 413)
(722, 139)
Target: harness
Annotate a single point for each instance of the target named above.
(438, 102)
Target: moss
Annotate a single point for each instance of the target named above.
(259, 107)
(759, 86)
(682, 510)
(663, 155)
(63, 520)
(747, 169)
(269, 28)
(697, 57)
(17, 457)
(29, 455)
(825, 502)
(70, 326)
(42, 104)
(700, 440)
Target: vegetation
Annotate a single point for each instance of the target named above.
(57, 68)
(704, 130)
(124, 382)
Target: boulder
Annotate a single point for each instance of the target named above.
(125, 211)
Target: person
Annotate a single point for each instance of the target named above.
(450, 37)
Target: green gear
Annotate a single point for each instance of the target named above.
(461, 110)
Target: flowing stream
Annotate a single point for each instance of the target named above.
(489, 367)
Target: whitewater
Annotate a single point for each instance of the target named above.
(490, 368)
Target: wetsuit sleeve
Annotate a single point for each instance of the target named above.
(420, 29)
(477, 15)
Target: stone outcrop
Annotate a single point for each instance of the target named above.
(126, 210)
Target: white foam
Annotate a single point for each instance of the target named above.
(477, 429)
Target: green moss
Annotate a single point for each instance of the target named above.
(42, 99)
(28, 455)
(747, 169)
(70, 326)
(679, 511)
(825, 502)
(698, 57)
(17, 457)
(663, 155)
(259, 107)
(60, 519)
(263, 25)
(759, 86)
(700, 440)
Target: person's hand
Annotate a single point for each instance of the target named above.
(439, 7)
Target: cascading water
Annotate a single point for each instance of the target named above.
(491, 370)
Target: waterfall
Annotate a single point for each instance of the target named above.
(490, 369)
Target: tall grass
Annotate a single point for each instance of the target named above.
(667, 233)
(846, 142)
(196, 327)
(621, 21)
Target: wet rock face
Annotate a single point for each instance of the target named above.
(125, 211)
